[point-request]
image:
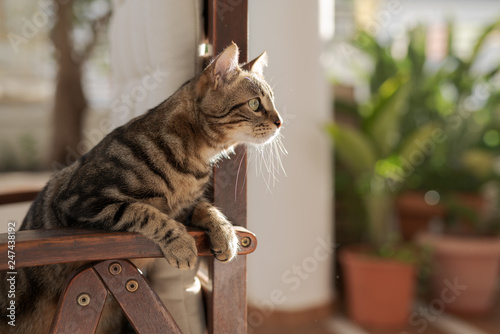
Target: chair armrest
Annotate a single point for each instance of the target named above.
(18, 195)
(42, 247)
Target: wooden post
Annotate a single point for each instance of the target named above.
(227, 311)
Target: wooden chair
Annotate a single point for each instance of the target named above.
(107, 272)
(224, 283)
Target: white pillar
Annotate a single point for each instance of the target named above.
(292, 266)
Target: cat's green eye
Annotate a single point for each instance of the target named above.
(254, 104)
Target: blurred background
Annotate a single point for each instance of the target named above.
(385, 215)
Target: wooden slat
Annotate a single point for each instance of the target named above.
(142, 306)
(42, 247)
(70, 317)
(226, 306)
(228, 22)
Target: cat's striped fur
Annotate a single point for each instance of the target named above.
(146, 175)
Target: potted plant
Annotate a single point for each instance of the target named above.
(427, 140)
(457, 166)
(456, 160)
(460, 171)
(380, 275)
(467, 255)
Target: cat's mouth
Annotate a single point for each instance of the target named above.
(265, 133)
(261, 134)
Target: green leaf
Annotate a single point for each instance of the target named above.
(479, 162)
(416, 51)
(353, 148)
(414, 151)
(480, 41)
(383, 125)
(450, 28)
(385, 64)
(422, 142)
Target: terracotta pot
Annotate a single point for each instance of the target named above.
(414, 214)
(475, 203)
(379, 291)
(465, 272)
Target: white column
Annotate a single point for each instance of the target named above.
(292, 266)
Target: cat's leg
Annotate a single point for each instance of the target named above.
(220, 231)
(178, 247)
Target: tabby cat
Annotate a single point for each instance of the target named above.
(144, 176)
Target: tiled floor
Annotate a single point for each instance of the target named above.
(441, 324)
(444, 324)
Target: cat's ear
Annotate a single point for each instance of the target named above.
(257, 65)
(224, 65)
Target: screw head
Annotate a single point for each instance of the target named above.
(132, 285)
(246, 241)
(83, 299)
(115, 268)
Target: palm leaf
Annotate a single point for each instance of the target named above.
(423, 141)
(383, 124)
(480, 41)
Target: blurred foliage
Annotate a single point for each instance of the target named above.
(426, 125)
(29, 151)
(90, 18)
(23, 155)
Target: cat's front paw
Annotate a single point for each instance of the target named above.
(223, 241)
(181, 252)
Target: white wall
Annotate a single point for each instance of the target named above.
(292, 266)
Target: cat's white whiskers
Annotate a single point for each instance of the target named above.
(272, 160)
(268, 161)
(280, 150)
(237, 178)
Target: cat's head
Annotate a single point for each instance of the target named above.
(237, 101)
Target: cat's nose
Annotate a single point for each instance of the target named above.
(277, 121)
